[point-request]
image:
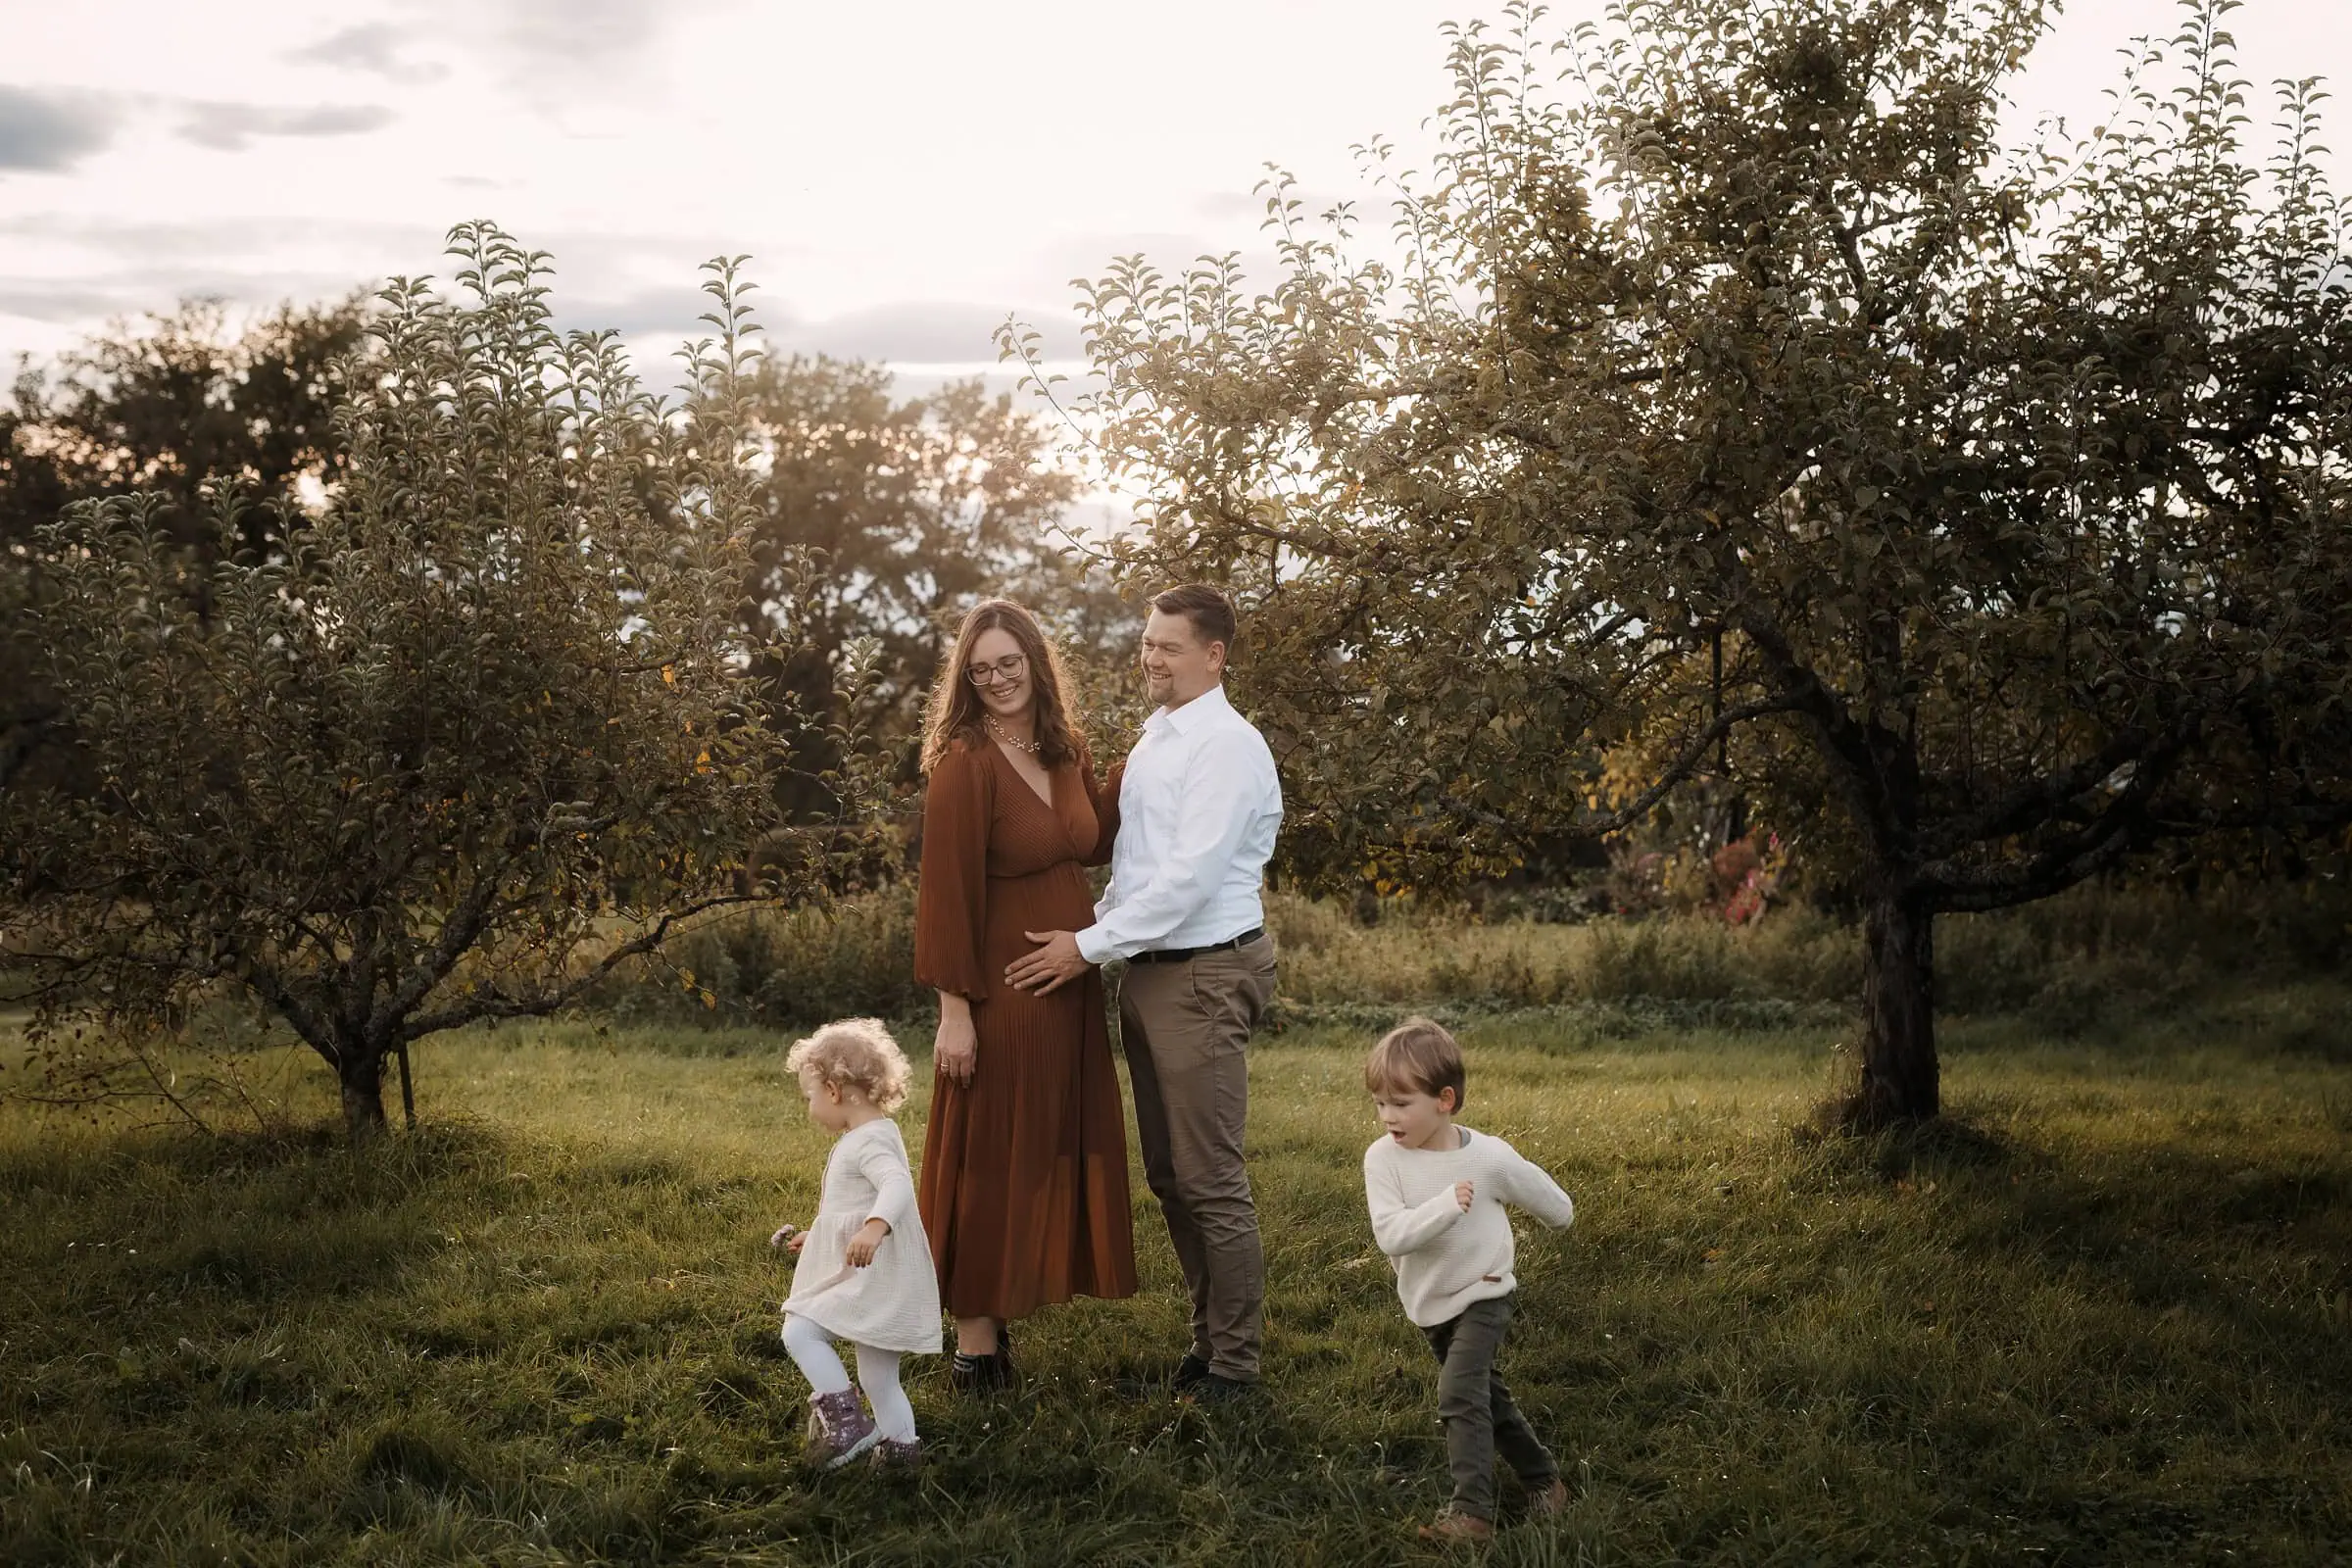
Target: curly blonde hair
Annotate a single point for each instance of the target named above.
(855, 1053)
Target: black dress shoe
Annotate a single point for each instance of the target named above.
(1216, 1390)
(1190, 1373)
(981, 1374)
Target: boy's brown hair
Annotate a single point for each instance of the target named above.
(1417, 1054)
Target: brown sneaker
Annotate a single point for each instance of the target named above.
(1550, 1501)
(1451, 1528)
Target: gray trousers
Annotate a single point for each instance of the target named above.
(1186, 1029)
(1477, 1409)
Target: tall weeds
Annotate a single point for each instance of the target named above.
(2072, 960)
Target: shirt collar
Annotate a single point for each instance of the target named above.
(1183, 719)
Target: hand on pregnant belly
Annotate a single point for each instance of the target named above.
(1057, 961)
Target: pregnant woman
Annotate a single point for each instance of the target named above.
(1024, 1178)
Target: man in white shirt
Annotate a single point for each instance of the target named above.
(1199, 805)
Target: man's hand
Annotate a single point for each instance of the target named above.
(861, 1251)
(1463, 1191)
(1057, 961)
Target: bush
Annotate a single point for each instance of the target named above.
(789, 969)
(2111, 949)
(2072, 960)
(2069, 961)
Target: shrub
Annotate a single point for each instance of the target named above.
(2092, 952)
(789, 969)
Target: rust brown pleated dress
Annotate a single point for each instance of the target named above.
(1024, 1180)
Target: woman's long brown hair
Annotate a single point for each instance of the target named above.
(957, 712)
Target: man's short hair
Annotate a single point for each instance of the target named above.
(1209, 611)
(1418, 1054)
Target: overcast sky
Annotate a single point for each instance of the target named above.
(904, 173)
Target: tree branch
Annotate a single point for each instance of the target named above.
(491, 1004)
(1842, 740)
(1680, 768)
(2125, 825)
(2031, 804)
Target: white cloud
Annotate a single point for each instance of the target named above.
(375, 48)
(229, 127)
(51, 131)
(903, 175)
(594, 30)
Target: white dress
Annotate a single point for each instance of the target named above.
(893, 1303)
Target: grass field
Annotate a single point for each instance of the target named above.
(2103, 1315)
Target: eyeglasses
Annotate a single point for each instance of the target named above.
(1007, 668)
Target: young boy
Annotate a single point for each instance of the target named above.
(1437, 1193)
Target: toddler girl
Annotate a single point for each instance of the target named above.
(864, 1271)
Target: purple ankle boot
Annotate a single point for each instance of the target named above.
(893, 1453)
(843, 1430)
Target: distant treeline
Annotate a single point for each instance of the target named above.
(913, 506)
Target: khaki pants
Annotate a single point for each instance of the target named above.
(1186, 1028)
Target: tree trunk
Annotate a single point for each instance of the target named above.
(1899, 1076)
(360, 1068)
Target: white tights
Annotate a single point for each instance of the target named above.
(811, 1347)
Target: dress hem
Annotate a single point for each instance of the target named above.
(1053, 1300)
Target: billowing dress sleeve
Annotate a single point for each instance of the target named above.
(950, 903)
(1105, 798)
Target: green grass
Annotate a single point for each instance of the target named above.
(2104, 1315)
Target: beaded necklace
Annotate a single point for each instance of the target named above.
(1031, 747)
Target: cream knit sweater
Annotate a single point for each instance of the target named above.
(1446, 1257)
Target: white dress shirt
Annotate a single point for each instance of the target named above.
(1199, 806)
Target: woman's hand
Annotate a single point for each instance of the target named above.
(861, 1251)
(1463, 1191)
(799, 1239)
(955, 1048)
(784, 1233)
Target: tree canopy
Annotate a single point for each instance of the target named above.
(1726, 402)
(472, 736)
(168, 407)
(911, 507)
(909, 510)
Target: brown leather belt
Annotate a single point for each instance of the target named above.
(1179, 954)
